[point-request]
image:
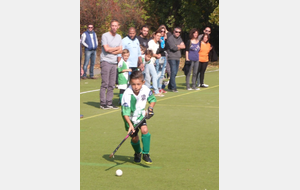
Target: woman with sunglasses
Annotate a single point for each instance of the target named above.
(160, 64)
(165, 34)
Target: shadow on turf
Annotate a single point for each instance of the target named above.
(125, 159)
(95, 104)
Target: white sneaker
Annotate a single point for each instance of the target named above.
(196, 89)
(189, 89)
(159, 94)
(204, 85)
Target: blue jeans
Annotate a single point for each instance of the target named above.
(151, 72)
(89, 55)
(174, 65)
(160, 68)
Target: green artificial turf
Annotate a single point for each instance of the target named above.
(184, 141)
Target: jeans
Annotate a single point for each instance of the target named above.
(160, 68)
(89, 55)
(174, 65)
(194, 66)
(151, 72)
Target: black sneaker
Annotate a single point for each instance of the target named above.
(137, 158)
(147, 159)
(105, 107)
(112, 106)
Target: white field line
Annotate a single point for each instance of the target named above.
(176, 77)
(89, 91)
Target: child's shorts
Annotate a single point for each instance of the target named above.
(137, 130)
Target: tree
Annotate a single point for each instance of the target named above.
(186, 14)
(214, 16)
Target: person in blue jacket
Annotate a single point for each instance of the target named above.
(90, 42)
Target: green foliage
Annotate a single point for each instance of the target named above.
(186, 14)
(214, 16)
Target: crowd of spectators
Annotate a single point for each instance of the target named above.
(163, 51)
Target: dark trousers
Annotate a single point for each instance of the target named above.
(108, 75)
(174, 65)
(201, 69)
(121, 95)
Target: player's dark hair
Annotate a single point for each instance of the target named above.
(149, 52)
(191, 34)
(143, 48)
(208, 37)
(124, 51)
(137, 75)
(114, 20)
(144, 26)
(177, 28)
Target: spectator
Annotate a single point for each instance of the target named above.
(162, 61)
(123, 72)
(207, 30)
(205, 48)
(165, 34)
(131, 43)
(143, 37)
(143, 50)
(175, 44)
(90, 42)
(192, 55)
(81, 70)
(111, 47)
(150, 69)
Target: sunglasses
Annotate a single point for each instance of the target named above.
(162, 31)
(177, 31)
(90, 27)
(207, 30)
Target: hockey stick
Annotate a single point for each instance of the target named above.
(135, 128)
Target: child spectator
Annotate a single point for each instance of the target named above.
(133, 111)
(143, 49)
(150, 71)
(123, 72)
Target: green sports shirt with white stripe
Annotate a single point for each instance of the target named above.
(122, 76)
(134, 105)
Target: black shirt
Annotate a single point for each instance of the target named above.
(143, 41)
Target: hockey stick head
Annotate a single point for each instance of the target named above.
(112, 154)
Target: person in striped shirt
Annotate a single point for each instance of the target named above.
(134, 101)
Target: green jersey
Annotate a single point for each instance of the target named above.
(134, 105)
(122, 76)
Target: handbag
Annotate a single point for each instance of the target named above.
(186, 67)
